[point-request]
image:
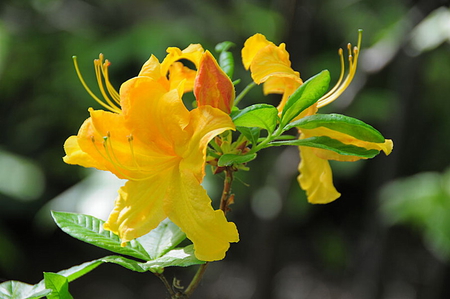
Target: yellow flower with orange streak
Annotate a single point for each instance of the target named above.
(270, 65)
(151, 139)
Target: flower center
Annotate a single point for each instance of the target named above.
(108, 153)
(342, 83)
(101, 72)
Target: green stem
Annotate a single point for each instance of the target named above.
(224, 202)
(166, 284)
(243, 93)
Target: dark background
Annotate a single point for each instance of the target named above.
(388, 236)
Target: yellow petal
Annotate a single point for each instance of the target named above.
(386, 146)
(252, 46)
(178, 73)
(189, 207)
(193, 53)
(206, 122)
(154, 114)
(75, 155)
(316, 178)
(272, 61)
(139, 207)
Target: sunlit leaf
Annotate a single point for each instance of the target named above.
(19, 290)
(58, 284)
(259, 115)
(180, 257)
(306, 95)
(90, 229)
(341, 123)
(327, 143)
(163, 238)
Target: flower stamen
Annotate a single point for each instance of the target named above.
(342, 85)
(112, 158)
(98, 70)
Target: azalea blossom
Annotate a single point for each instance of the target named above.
(270, 65)
(150, 138)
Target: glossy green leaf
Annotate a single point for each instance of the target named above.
(226, 59)
(90, 229)
(327, 143)
(179, 257)
(252, 134)
(162, 239)
(306, 95)
(259, 115)
(230, 159)
(58, 284)
(19, 290)
(340, 123)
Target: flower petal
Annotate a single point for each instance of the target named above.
(316, 178)
(252, 46)
(153, 114)
(212, 86)
(75, 155)
(139, 207)
(192, 53)
(386, 147)
(178, 72)
(206, 123)
(189, 207)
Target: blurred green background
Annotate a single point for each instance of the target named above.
(388, 236)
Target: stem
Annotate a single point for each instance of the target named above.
(243, 93)
(224, 202)
(166, 284)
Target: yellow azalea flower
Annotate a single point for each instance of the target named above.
(159, 146)
(269, 64)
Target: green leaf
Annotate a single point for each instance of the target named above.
(77, 271)
(340, 123)
(180, 257)
(252, 134)
(327, 143)
(19, 290)
(306, 95)
(226, 59)
(90, 229)
(230, 159)
(58, 284)
(124, 262)
(162, 239)
(259, 115)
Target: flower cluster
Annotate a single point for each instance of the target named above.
(147, 136)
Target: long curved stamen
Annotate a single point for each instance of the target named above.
(108, 104)
(341, 86)
(111, 90)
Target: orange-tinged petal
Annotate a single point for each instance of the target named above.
(189, 207)
(153, 114)
(139, 207)
(206, 122)
(212, 86)
(251, 47)
(316, 178)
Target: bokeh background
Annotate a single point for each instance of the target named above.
(387, 237)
